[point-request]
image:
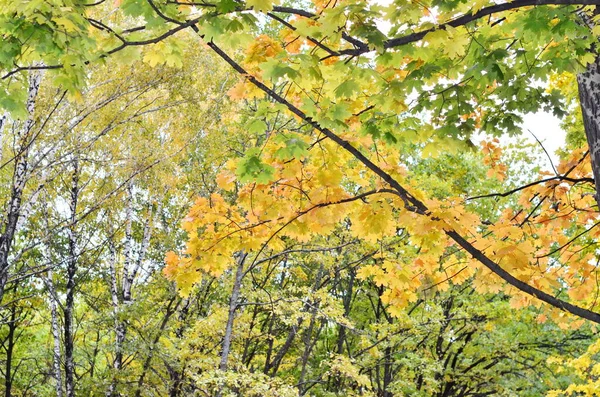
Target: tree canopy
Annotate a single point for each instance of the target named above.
(312, 198)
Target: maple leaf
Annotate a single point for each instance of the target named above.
(251, 169)
(261, 5)
(347, 89)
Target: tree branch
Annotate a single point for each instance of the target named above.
(414, 204)
(467, 18)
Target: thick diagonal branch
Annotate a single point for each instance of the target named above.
(415, 205)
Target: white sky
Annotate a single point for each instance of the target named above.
(546, 127)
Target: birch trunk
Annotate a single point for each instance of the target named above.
(119, 331)
(123, 297)
(19, 179)
(126, 280)
(233, 304)
(3, 119)
(56, 355)
(71, 271)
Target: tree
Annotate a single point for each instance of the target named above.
(343, 110)
(490, 44)
(71, 211)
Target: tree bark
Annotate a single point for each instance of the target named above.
(588, 83)
(127, 279)
(170, 311)
(347, 300)
(119, 331)
(3, 120)
(233, 304)
(307, 339)
(274, 365)
(123, 298)
(19, 179)
(10, 344)
(71, 271)
(56, 355)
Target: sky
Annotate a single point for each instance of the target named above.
(546, 127)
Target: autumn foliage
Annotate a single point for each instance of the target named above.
(317, 198)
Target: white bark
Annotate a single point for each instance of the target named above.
(19, 179)
(127, 279)
(123, 298)
(56, 354)
(233, 304)
(119, 331)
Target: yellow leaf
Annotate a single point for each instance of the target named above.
(478, 5)
(66, 23)
(261, 5)
(226, 180)
(457, 43)
(437, 38)
(153, 57)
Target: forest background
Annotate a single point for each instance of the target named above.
(263, 198)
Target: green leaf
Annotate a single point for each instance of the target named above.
(339, 112)
(274, 69)
(347, 89)
(260, 5)
(295, 147)
(257, 126)
(371, 128)
(226, 6)
(16, 109)
(251, 169)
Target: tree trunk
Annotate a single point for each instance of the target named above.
(588, 84)
(131, 267)
(347, 300)
(176, 380)
(10, 344)
(3, 120)
(387, 373)
(233, 303)
(274, 365)
(19, 180)
(589, 96)
(119, 331)
(308, 343)
(71, 271)
(95, 354)
(55, 334)
(127, 279)
(123, 297)
(170, 311)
